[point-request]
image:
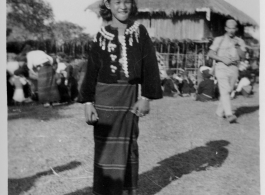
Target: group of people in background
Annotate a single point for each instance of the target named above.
(51, 79)
(204, 85)
(34, 75)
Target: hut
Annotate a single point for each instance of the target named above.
(183, 29)
(189, 19)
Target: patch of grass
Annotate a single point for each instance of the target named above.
(182, 150)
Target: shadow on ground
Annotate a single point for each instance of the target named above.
(85, 191)
(17, 186)
(173, 168)
(35, 111)
(245, 110)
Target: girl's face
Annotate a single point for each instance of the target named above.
(120, 9)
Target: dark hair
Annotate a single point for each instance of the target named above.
(106, 14)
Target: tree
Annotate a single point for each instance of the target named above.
(69, 36)
(29, 15)
(34, 20)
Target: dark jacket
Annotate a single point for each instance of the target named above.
(141, 57)
(206, 87)
(245, 73)
(169, 88)
(187, 87)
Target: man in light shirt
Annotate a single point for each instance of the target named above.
(227, 50)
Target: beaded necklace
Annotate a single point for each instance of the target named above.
(134, 29)
(124, 60)
(106, 38)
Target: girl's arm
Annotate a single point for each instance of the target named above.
(88, 87)
(151, 87)
(150, 81)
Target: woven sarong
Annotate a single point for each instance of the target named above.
(47, 87)
(115, 135)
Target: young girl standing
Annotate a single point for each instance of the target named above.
(122, 56)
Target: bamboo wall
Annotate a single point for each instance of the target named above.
(182, 29)
(193, 27)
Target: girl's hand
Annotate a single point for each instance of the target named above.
(91, 115)
(141, 107)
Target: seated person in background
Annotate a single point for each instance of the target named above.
(163, 76)
(170, 88)
(18, 80)
(178, 79)
(244, 86)
(23, 68)
(61, 66)
(12, 64)
(194, 81)
(187, 86)
(63, 90)
(10, 89)
(71, 83)
(206, 88)
(24, 71)
(61, 75)
(199, 76)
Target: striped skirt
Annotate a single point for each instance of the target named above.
(115, 136)
(47, 87)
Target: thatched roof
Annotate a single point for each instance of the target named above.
(183, 7)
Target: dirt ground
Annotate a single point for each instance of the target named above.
(184, 149)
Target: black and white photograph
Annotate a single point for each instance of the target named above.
(133, 97)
